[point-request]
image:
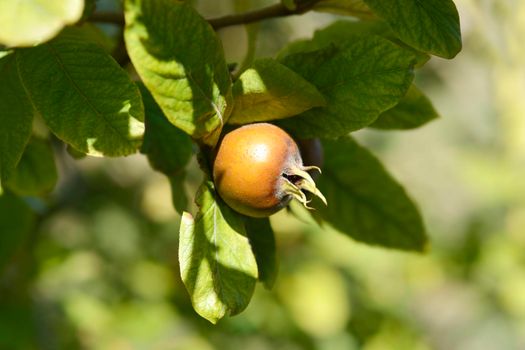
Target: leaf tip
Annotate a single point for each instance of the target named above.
(187, 219)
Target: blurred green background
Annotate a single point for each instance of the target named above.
(100, 271)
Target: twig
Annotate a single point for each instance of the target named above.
(273, 11)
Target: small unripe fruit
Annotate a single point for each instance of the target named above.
(258, 169)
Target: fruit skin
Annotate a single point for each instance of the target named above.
(249, 166)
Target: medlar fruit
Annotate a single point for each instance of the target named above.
(258, 169)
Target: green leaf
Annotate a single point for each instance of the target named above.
(414, 110)
(84, 96)
(75, 153)
(217, 264)
(168, 149)
(430, 26)
(179, 197)
(340, 32)
(30, 22)
(36, 173)
(16, 221)
(364, 201)
(92, 33)
(180, 59)
(89, 8)
(17, 329)
(269, 90)
(262, 240)
(15, 117)
(359, 81)
(354, 8)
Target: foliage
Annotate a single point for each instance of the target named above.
(340, 81)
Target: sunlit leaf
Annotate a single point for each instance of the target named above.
(360, 80)
(430, 26)
(269, 90)
(84, 96)
(217, 264)
(181, 61)
(29, 22)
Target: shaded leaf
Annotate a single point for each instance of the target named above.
(36, 173)
(168, 149)
(340, 32)
(179, 197)
(217, 264)
(269, 90)
(359, 81)
(75, 153)
(364, 201)
(337, 33)
(430, 26)
(89, 8)
(16, 115)
(90, 32)
(16, 221)
(84, 96)
(414, 110)
(29, 22)
(16, 321)
(262, 240)
(181, 61)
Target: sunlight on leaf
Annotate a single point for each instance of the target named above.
(30, 22)
(84, 96)
(217, 264)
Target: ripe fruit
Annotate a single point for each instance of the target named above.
(258, 169)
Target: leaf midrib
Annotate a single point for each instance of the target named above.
(81, 93)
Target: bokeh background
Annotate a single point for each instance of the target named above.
(100, 270)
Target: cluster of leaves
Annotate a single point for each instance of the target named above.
(350, 75)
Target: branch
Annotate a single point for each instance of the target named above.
(273, 11)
